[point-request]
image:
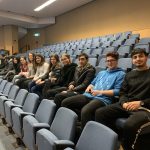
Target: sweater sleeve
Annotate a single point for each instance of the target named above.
(124, 92)
(45, 68)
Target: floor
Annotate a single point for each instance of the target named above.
(6, 139)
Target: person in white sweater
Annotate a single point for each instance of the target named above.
(41, 70)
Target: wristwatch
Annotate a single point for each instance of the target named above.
(142, 103)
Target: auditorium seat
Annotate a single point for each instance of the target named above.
(18, 101)
(42, 119)
(29, 107)
(62, 129)
(95, 136)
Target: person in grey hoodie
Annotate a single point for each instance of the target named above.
(100, 92)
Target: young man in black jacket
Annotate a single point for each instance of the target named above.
(84, 74)
(134, 94)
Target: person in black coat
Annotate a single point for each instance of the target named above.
(83, 76)
(67, 72)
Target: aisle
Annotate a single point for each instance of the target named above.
(7, 140)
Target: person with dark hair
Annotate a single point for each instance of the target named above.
(2, 61)
(84, 74)
(65, 77)
(134, 101)
(16, 69)
(23, 70)
(41, 71)
(100, 92)
(23, 81)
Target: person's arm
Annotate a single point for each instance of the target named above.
(89, 77)
(45, 68)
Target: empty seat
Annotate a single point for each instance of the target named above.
(102, 63)
(107, 50)
(8, 105)
(29, 107)
(12, 94)
(117, 43)
(124, 51)
(6, 89)
(145, 46)
(96, 52)
(130, 42)
(62, 128)
(95, 136)
(42, 119)
(144, 41)
(125, 63)
(87, 51)
(2, 85)
(134, 36)
(93, 61)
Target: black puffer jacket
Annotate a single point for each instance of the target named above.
(83, 77)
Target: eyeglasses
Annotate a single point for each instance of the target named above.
(112, 60)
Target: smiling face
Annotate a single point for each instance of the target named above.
(111, 62)
(65, 60)
(139, 60)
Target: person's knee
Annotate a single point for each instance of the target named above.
(66, 102)
(85, 111)
(99, 114)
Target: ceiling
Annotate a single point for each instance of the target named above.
(20, 12)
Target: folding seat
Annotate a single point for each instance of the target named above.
(95, 136)
(117, 43)
(87, 51)
(107, 50)
(87, 46)
(106, 44)
(130, 42)
(95, 44)
(1, 80)
(29, 107)
(96, 52)
(12, 94)
(117, 35)
(62, 129)
(93, 61)
(2, 85)
(125, 63)
(77, 52)
(134, 36)
(103, 39)
(70, 52)
(145, 46)
(124, 51)
(102, 63)
(6, 89)
(42, 119)
(96, 39)
(144, 41)
(9, 104)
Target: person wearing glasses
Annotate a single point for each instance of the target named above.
(134, 103)
(100, 92)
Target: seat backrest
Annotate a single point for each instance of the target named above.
(13, 92)
(31, 103)
(93, 61)
(45, 112)
(102, 63)
(64, 123)
(96, 136)
(2, 85)
(20, 98)
(7, 88)
(125, 63)
(1, 80)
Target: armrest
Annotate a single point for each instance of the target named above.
(10, 100)
(16, 106)
(1, 94)
(38, 126)
(23, 114)
(62, 144)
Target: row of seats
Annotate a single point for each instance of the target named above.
(40, 126)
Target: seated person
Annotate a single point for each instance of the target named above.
(41, 71)
(84, 74)
(65, 77)
(100, 92)
(134, 93)
(51, 77)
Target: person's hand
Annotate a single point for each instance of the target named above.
(64, 92)
(53, 79)
(131, 106)
(96, 92)
(71, 87)
(89, 89)
(38, 81)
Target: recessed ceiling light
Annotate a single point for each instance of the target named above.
(44, 5)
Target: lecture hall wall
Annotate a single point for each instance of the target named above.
(100, 17)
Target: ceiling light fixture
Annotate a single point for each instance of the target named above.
(44, 5)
